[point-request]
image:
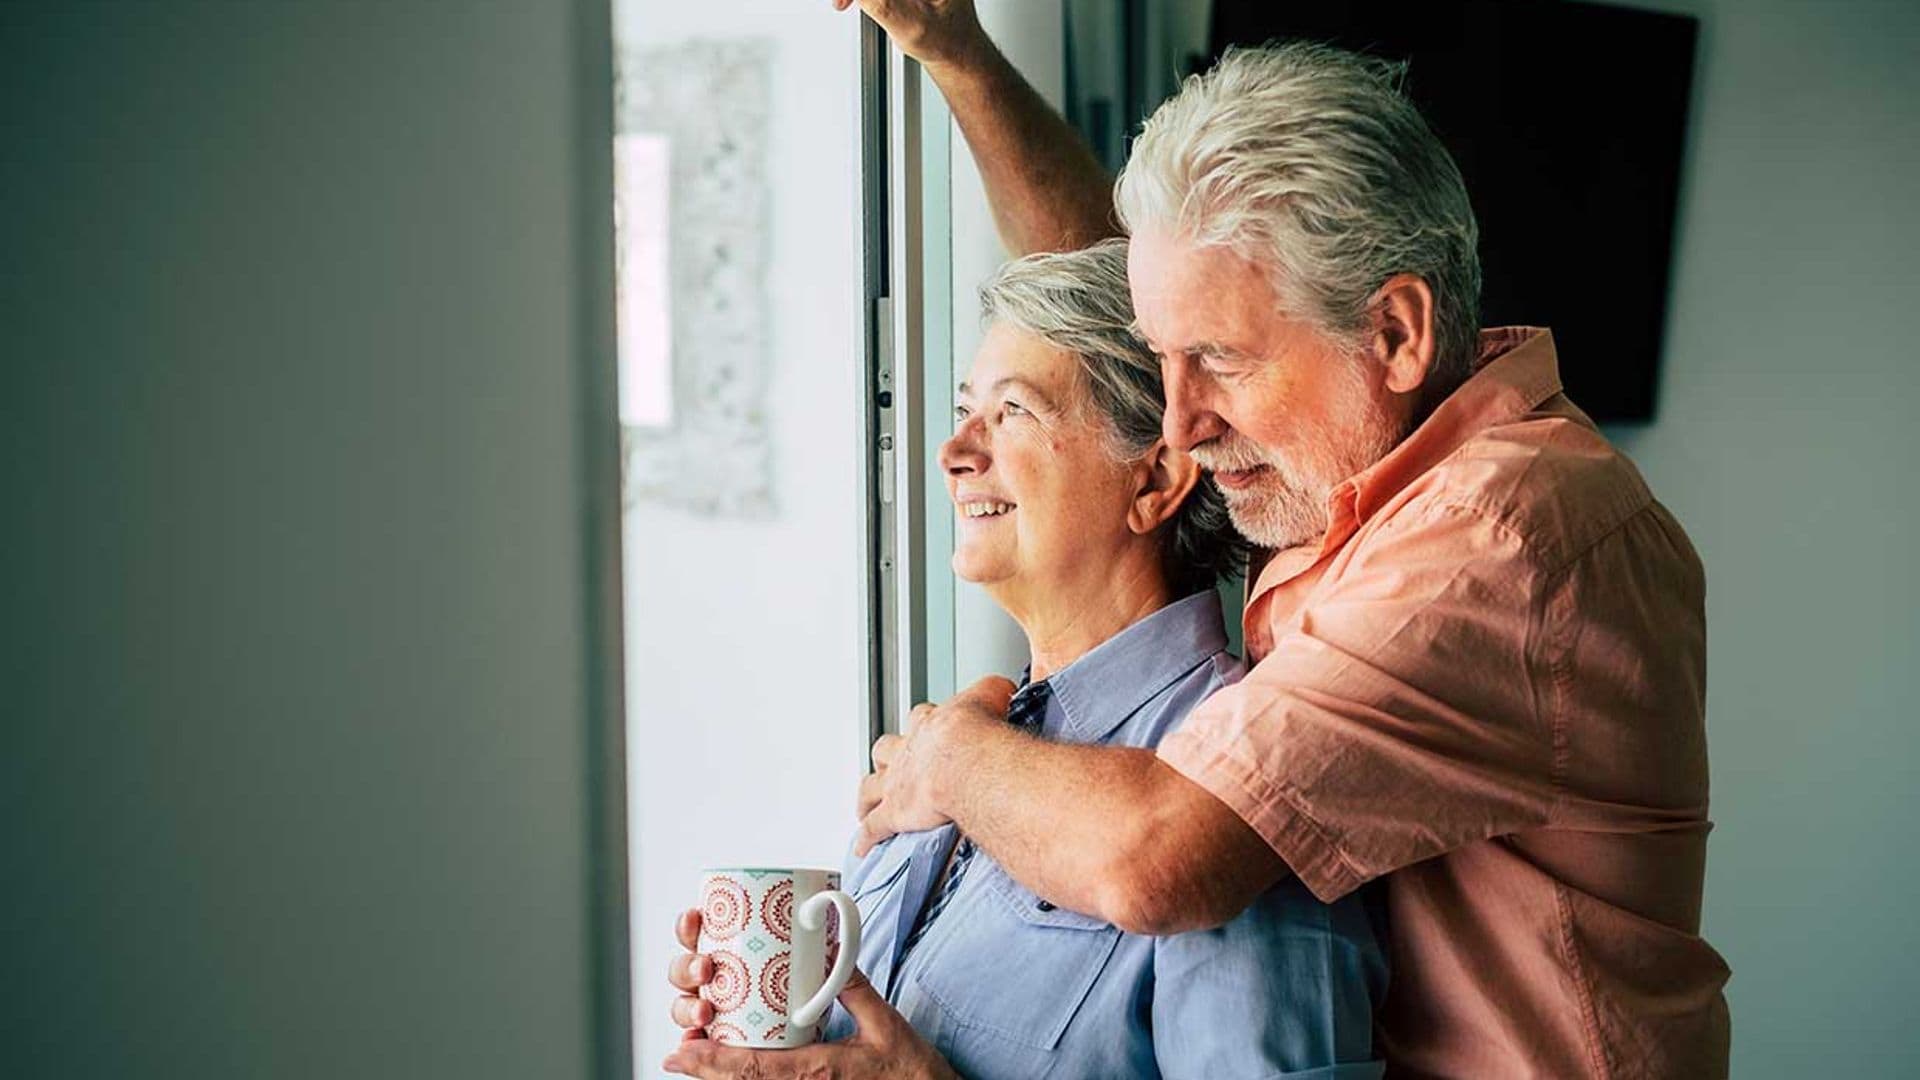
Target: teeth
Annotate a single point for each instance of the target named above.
(984, 509)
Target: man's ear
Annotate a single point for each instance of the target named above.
(1165, 477)
(1403, 341)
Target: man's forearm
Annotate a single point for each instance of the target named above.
(1112, 832)
(1047, 190)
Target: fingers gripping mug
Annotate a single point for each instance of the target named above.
(783, 944)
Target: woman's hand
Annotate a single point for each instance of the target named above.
(688, 972)
(883, 1046)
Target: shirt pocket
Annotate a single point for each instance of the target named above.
(1014, 965)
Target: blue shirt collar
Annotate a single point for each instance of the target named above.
(1096, 693)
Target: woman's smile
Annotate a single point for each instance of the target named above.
(983, 510)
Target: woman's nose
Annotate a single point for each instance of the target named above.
(964, 452)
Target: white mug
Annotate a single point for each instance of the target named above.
(783, 943)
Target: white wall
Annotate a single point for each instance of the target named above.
(746, 639)
(1786, 442)
(295, 305)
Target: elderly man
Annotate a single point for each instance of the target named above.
(1479, 641)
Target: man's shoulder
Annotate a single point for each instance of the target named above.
(1548, 477)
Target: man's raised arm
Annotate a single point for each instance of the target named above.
(1047, 191)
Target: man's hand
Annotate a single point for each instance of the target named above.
(937, 33)
(1047, 189)
(884, 1045)
(901, 794)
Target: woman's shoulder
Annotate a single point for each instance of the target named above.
(1167, 710)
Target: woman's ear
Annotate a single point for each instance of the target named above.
(1166, 476)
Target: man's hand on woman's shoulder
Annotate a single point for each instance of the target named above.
(903, 793)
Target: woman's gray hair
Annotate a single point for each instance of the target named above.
(1078, 303)
(1311, 162)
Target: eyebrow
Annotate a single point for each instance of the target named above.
(1032, 390)
(1219, 349)
(1214, 348)
(1210, 348)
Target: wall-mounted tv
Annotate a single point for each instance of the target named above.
(1569, 122)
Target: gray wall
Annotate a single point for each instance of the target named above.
(300, 658)
(1787, 440)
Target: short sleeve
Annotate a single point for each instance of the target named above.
(1404, 714)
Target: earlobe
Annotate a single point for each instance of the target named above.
(1168, 478)
(1403, 331)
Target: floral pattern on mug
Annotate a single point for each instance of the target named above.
(773, 981)
(726, 1034)
(726, 910)
(730, 985)
(776, 910)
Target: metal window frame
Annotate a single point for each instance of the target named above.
(896, 440)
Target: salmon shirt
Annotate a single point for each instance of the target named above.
(1487, 684)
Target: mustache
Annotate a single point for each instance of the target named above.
(1230, 453)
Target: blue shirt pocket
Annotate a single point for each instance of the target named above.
(1014, 965)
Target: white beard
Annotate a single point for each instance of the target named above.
(1286, 506)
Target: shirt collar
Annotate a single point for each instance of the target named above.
(1515, 371)
(1096, 693)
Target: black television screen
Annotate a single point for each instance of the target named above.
(1569, 123)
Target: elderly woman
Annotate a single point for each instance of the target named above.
(1103, 544)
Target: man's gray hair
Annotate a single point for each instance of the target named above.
(1312, 163)
(1078, 303)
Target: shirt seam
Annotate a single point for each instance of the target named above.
(1558, 669)
(1589, 1017)
(1452, 504)
(1645, 507)
(1638, 505)
(1559, 645)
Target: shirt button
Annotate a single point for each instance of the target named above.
(1044, 906)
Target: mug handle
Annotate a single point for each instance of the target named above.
(812, 916)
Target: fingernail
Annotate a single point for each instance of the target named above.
(702, 967)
